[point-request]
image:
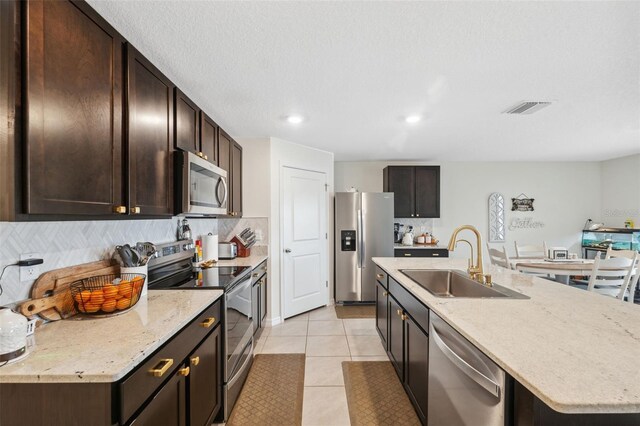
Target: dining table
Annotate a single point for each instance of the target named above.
(562, 270)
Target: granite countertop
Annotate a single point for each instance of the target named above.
(252, 261)
(577, 351)
(106, 349)
(419, 246)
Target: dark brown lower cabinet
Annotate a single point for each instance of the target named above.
(205, 380)
(395, 338)
(179, 384)
(416, 350)
(420, 252)
(167, 407)
(382, 313)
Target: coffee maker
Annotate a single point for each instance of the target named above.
(397, 232)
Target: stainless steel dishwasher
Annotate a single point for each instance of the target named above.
(465, 386)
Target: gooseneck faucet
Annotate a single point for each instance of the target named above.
(476, 271)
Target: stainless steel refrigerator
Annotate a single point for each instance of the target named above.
(363, 229)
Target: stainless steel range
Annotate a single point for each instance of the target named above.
(172, 269)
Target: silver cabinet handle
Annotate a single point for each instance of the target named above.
(287, 250)
(489, 385)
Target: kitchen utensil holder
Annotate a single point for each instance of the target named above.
(141, 270)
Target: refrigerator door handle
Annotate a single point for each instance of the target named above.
(363, 259)
(360, 244)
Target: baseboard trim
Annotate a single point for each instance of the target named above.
(273, 321)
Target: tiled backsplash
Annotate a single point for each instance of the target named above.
(417, 224)
(63, 244)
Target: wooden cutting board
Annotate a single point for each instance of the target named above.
(51, 296)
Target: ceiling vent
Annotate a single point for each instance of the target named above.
(528, 107)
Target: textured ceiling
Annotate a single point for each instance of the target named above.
(355, 69)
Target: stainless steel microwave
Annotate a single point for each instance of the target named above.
(201, 187)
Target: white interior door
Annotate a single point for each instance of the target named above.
(304, 244)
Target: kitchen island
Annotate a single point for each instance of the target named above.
(133, 366)
(574, 350)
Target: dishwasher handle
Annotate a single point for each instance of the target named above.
(489, 385)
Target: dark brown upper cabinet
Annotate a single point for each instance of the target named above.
(149, 137)
(73, 111)
(187, 116)
(416, 190)
(208, 138)
(230, 159)
(235, 202)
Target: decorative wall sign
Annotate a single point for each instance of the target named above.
(496, 218)
(522, 203)
(525, 223)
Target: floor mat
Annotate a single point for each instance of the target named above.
(375, 395)
(355, 311)
(273, 392)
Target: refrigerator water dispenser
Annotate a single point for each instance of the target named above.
(348, 239)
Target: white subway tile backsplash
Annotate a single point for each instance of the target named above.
(63, 244)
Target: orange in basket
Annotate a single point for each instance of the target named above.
(123, 303)
(90, 307)
(110, 291)
(125, 289)
(109, 306)
(83, 296)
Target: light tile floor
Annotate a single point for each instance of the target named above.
(326, 341)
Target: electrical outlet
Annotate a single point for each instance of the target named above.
(29, 273)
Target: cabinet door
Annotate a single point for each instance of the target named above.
(167, 407)
(73, 79)
(224, 161)
(416, 366)
(395, 343)
(236, 180)
(150, 137)
(208, 138)
(205, 380)
(187, 115)
(382, 313)
(401, 181)
(255, 306)
(421, 253)
(263, 300)
(427, 191)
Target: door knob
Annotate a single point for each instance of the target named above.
(287, 250)
(195, 360)
(120, 209)
(184, 372)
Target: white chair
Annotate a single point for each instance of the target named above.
(499, 257)
(531, 251)
(612, 276)
(633, 282)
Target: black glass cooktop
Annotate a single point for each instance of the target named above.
(221, 277)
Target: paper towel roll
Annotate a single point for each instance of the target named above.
(210, 247)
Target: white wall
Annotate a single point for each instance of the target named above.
(263, 162)
(621, 191)
(566, 195)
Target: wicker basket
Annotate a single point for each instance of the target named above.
(107, 294)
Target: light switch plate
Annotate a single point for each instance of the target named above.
(29, 273)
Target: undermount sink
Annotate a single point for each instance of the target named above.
(447, 283)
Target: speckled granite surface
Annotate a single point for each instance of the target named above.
(106, 349)
(577, 351)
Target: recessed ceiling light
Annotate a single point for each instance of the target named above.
(295, 119)
(412, 119)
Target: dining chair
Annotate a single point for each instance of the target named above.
(499, 257)
(612, 276)
(531, 251)
(633, 282)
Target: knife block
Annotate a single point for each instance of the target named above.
(242, 250)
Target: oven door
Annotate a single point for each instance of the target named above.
(238, 323)
(203, 187)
